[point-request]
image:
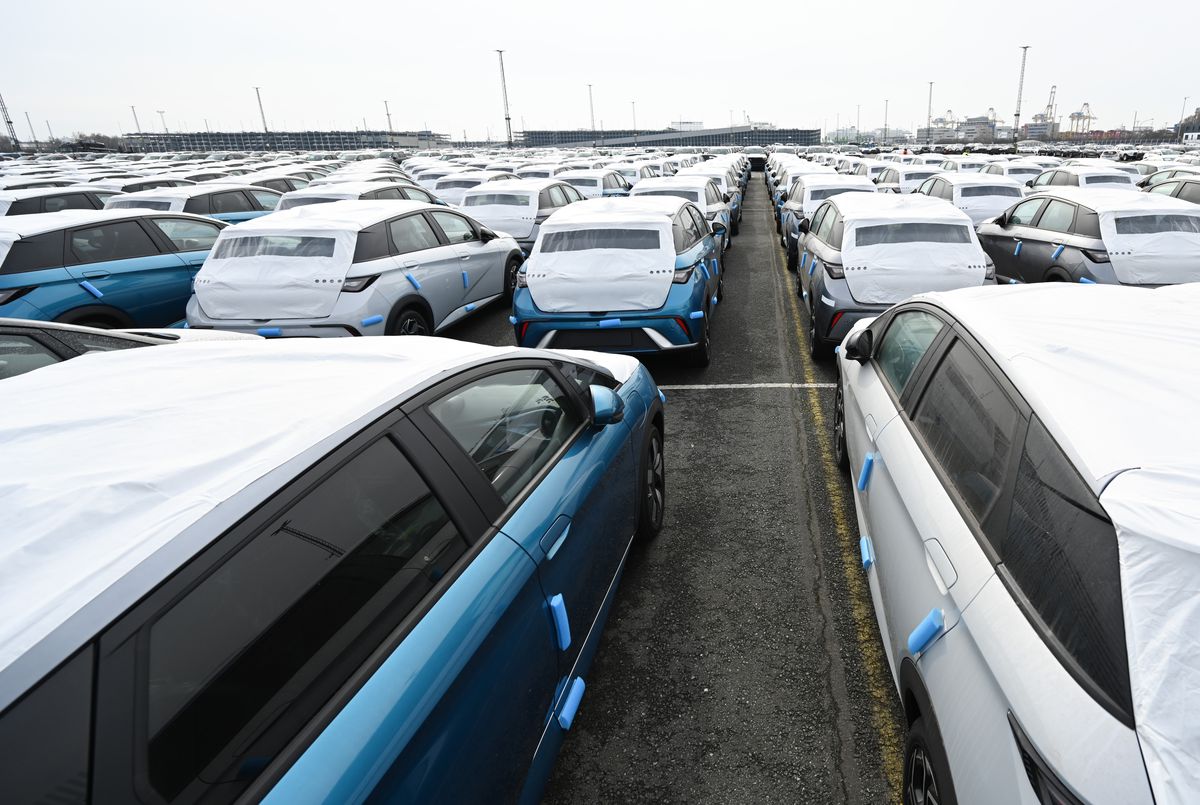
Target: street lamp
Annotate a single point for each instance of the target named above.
(1182, 113)
(633, 104)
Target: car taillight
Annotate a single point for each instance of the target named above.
(1095, 256)
(834, 270)
(356, 284)
(522, 282)
(683, 275)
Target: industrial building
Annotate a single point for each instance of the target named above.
(733, 135)
(282, 140)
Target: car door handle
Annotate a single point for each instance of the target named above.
(95, 273)
(464, 257)
(409, 264)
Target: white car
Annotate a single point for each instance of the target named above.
(518, 207)
(979, 195)
(1027, 493)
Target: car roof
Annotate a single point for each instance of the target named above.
(348, 189)
(166, 491)
(990, 179)
(28, 225)
(823, 181)
(584, 173)
(189, 191)
(528, 185)
(1109, 200)
(907, 207)
(606, 211)
(337, 216)
(36, 192)
(684, 182)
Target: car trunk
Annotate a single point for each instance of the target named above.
(584, 273)
(512, 219)
(883, 273)
(1153, 248)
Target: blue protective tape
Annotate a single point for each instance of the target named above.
(512, 320)
(868, 555)
(469, 308)
(864, 475)
(376, 319)
(704, 268)
(804, 260)
(1087, 281)
(92, 289)
(609, 323)
(1017, 250)
(267, 332)
(1057, 252)
(714, 299)
(812, 267)
(926, 631)
(696, 314)
(466, 280)
(716, 269)
(562, 626)
(1012, 282)
(662, 398)
(413, 280)
(571, 704)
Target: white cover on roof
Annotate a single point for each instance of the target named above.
(604, 279)
(886, 273)
(266, 286)
(513, 219)
(1108, 370)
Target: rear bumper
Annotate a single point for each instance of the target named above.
(354, 314)
(626, 334)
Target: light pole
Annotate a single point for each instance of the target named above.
(504, 94)
(136, 124)
(1182, 113)
(929, 118)
(633, 105)
(885, 120)
(857, 121)
(388, 112)
(592, 110)
(261, 113)
(162, 115)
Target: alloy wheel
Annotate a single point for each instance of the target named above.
(656, 482)
(922, 785)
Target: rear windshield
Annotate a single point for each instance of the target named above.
(1120, 179)
(582, 239)
(911, 233)
(582, 182)
(821, 195)
(1153, 224)
(499, 199)
(690, 196)
(459, 183)
(1024, 171)
(918, 175)
(274, 246)
(133, 203)
(989, 190)
(536, 174)
(304, 201)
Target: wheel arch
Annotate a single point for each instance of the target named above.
(75, 315)
(409, 302)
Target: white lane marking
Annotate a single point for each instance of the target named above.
(707, 386)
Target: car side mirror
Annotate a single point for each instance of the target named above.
(607, 406)
(726, 196)
(859, 344)
(802, 225)
(1029, 183)
(718, 229)
(1002, 220)
(486, 235)
(783, 197)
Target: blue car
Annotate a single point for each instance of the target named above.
(231, 203)
(102, 268)
(631, 275)
(377, 570)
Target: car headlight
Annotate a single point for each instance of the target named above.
(356, 284)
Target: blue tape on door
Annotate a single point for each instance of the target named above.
(412, 280)
(1057, 252)
(864, 547)
(92, 289)
(1017, 250)
(609, 323)
(716, 268)
(864, 475)
(714, 299)
(267, 332)
(1012, 282)
(571, 704)
(512, 320)
(1087, 281)
(466, 280)
(469, 308)
(812, 267)
(562, 626)
(804, 260)
(920, 638)
(376, 319)
(696, 314)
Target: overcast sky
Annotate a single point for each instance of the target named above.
(324, 65)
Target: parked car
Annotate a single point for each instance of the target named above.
(450, 188)
(313, 564)
(634, 172)
(230, 203)
(727, 183)
(136, 184)
(1071, 234)
(1168, 173)
(1023, 535)
(802, 199)
(356, 191)
(1081, 176)
(701, 191)
(518, 207)
(863, 252)
(101, 268)
(980, 195)
(905, 178)
(635, 275)
(595, 183)
(27, 345)
(52, 199)
(1020, 169)
(1184, 187)
(353, 268)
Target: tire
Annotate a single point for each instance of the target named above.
(700, 355)
(817, 350)
(736, 225)
(840, 455)
(510, 277)
(926, 771)
(792, 258)
(653, 492)
(410, 321)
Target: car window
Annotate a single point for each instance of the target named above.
(71, 201)
(557, 196)
(903, 345)
(679, 231)
(511, 425)
(1087, 223)
(571, 193)
(1062, 178)
(232, 201)
(277, 184)
(236, 666)
(117, 241)
(926, 187)
(414, 194)
(1044, 178)
(412, 234)
(818, 218)
(1024, 213)
(1058, 216)
(266, 199)
(22, 353)
(1166, 188)
(187, 235)
(1061, 551)
(827, 226)
(969, 424)
(33, 253)
(1190, 192)
(699, 223)
(389, 194)
(457, 228)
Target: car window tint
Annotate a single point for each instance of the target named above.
(1190, 192)
(699, 224)
(1087, 223)
(47, 735)
(276, 184)
(233, 201)
(22, 353)
(71, 201)
(827, 226)
(457, 228)
(1044, 178)
(414, 194)
(903, 345)
(247, 656)
(1058, 216)
(544, 200)
(266, 199)
(1062, 178)
(815, 226)
(84, 342)
(372, 243)
(1061, 551)
(1165, 188)
(187, 235)
(969, 424)
(118, 241)
(412, 234)
(679, 231)
(1024, 213)
(557, 196)
(31, 254)
(511, 425)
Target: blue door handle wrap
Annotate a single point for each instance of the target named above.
(864, 475)
(926, 631)
(562, 626)
(571, 704)
(868, 553)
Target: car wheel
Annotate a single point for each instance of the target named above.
(792, 258)
(736, 225)
(840, 455)
(701, 354)
(510, 277)
(926, 772)
(817, 350)
(411, 321)
(654, 487)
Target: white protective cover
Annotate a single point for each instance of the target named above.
(886, 273)
(513, 220)
(1085, 358)
(277, 287)
(6, 241)
(1160, 258)
(594, 280)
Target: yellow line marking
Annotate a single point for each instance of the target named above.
(879, 679)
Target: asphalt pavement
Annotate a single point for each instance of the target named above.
(741, 662)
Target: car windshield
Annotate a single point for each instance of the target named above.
(1117, 179)
(990, 190)
(274, 246)
(911, 233)
(497, 199)
(689, 195)
(1154, 224)
(821, 195)
(578, 240)
(140, 204)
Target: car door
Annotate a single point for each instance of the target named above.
(430, 265)
(562, 488)
(120, 265)
(190, 239)
(267, 200)
(1004, 243)
(707, 250)
(481, 264)
(232, 206)
(808, 248)
(1045, 242)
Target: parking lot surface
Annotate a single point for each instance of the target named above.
(741, 662)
